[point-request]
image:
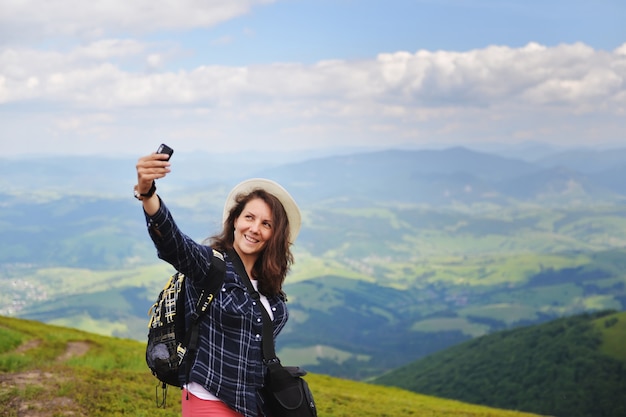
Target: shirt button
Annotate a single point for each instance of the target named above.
(258, 320)
(273, 308)
(258, 337)
(254, 303)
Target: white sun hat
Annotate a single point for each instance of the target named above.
(272, 187)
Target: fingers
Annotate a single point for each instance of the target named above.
(150, 168)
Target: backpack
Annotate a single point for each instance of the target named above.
(168, 339)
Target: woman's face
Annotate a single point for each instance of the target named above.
(253, 228)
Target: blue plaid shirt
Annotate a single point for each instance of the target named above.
(229, 363)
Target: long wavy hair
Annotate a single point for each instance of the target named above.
(273, 263)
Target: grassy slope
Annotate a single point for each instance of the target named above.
(54, 371)
(613, 330)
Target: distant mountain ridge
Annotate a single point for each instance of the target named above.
(425, 176)
(559, 182)
(444, 176)
(586, 161)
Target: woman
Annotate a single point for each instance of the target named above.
(261, 221)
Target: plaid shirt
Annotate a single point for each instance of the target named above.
(229, 363)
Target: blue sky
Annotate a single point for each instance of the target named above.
(309, 31)
(301, 75)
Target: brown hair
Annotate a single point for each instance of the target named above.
(274, 262)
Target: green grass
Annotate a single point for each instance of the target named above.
(78, 280)
(10, 339)
(86, 322)
(450, 324)
(309, 267)
(310, 355)
(505, 312)
(109, 378)
(485, 270)
(613, 329)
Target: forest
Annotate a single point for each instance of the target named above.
(569, 367)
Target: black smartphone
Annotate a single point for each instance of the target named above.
(163, 148)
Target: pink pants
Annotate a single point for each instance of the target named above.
(196, 407)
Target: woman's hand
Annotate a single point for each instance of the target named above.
(150, 168)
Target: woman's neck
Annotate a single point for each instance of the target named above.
(248, 262)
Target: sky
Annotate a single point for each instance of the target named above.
(119, 77)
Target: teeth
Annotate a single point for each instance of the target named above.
(249, 239)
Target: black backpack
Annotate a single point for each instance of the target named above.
(168, 340)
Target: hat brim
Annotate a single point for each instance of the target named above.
(272, 187)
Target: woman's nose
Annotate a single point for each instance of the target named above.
(254, 227)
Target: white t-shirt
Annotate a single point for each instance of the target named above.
(198, 390)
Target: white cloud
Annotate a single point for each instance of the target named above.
(567, 75)
(29, 19)
(82, 76)
(108, 48)
(497, 92)
(154, 61)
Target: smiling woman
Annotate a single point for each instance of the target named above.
(261, 221)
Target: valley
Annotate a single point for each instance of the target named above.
(401, 254)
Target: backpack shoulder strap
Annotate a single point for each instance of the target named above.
(215, 280)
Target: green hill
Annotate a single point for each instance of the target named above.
(569, 367)
(49, 371)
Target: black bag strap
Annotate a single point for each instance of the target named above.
(282, 378)
(269, 355)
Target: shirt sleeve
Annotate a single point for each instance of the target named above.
(174, 247)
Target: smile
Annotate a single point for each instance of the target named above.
(250, 239)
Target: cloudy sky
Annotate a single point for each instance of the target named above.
(120, 76)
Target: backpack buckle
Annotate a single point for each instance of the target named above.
(180, 352)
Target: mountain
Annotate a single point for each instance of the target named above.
(606, 167)
(558, 184)
(425, 176)
(401, 253)
(585, 161)
(48, 371)
(396, 176)
(570, 367)
(443, 177)
(612, 178)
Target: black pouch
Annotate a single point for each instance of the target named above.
(161, 355)
(286, 393)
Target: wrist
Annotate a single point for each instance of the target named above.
(146, 195)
